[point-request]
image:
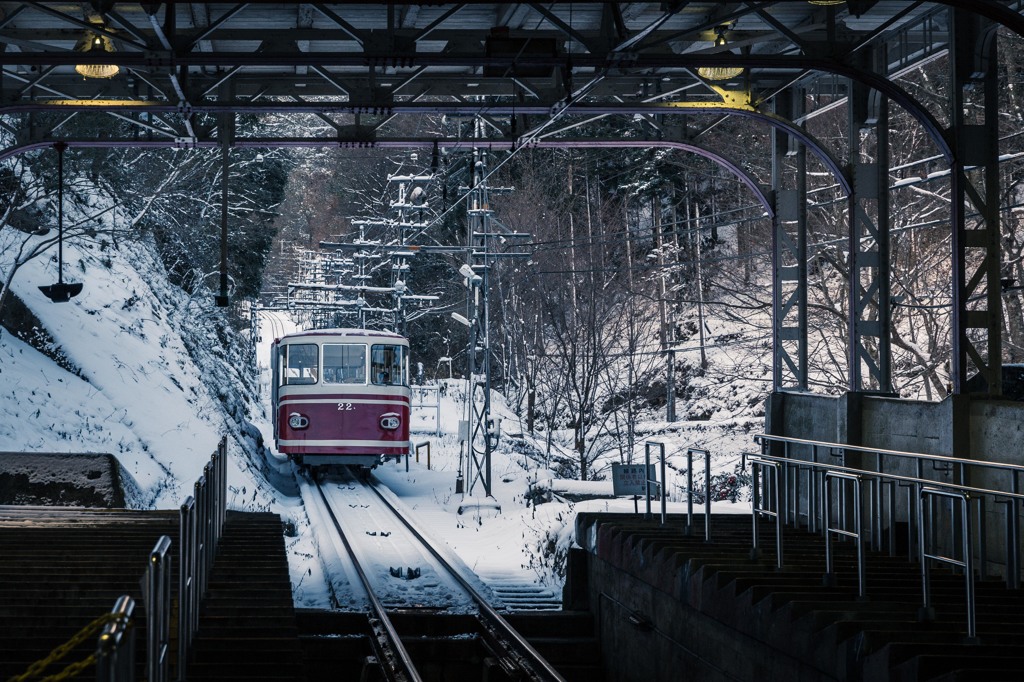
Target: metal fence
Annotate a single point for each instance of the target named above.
(851, 492)
(202, 523)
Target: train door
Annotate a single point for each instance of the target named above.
(389, 365)
(274, 374)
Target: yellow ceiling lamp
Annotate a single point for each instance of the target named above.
(96, 43)
(826, 3)
(719, 73)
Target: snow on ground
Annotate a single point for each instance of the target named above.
(141, 396)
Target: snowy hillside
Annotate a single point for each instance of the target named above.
(154, 380)
(146, 385)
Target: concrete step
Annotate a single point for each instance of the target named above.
(804, 621)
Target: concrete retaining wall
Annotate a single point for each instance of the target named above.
(983, 430)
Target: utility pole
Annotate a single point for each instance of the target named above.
(481, 431)
(406, 220)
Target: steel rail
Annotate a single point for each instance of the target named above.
(528, 659)
(394, 643)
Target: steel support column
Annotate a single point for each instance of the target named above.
(869, 283)
(977, 307)
(789, 290)
(479, 443)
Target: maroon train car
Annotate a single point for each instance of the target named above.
(341, 396)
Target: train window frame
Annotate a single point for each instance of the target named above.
(377, 367)
(288, 352)
(352, 375)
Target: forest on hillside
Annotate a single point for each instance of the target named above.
(643, 286)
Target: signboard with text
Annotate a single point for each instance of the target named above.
(629, 479)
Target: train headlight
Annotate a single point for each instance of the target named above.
(298, 421)
(390, 421)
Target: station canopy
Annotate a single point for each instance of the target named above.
(159, 66)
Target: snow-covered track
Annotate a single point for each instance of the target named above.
(400, 569)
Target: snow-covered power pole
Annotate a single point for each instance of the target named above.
(405, 220)
(409, 206)
(365, 255)
(482, 430)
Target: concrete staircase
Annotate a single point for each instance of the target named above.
(566, 639)
(60, 568)
(790, 623)
(247, 628)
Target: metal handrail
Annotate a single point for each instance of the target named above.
(158, 611)
(689, 491)
(964, 465)
(930, 545)
(420, 446)
(823, 466)
(115, 646)
(857, 534)
(188, 594)
(762, 437)
(1011, 498)
(202, 525)
(967, 563)
(648, 481)
(757, 509)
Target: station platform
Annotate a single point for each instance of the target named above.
(675, 606)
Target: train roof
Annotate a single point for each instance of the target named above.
(347, 333)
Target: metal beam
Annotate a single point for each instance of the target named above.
(869, 279)
(977, 305)
(789, 253)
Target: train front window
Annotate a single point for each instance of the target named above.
(344, 363)
(299, 362)
(388, 365)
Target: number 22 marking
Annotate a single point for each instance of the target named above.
(342, 407)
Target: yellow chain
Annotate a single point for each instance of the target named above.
(72, 670)
(61, 651)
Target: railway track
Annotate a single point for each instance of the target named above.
(392, 569)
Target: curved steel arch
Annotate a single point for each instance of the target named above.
(674, 108)
(748, 180)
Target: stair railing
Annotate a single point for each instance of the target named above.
(917, 473)
(765, 488)
(926, 523)
(202, 525)
(662, 488)
(690, 452)
(115, 646)
(894, 469)
(857, 534)
(188, 593)
(158, 611)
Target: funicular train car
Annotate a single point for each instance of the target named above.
(341, 397)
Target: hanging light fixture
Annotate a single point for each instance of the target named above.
(62, 291)
(719, 73)
(826, 3)
(95, 43)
